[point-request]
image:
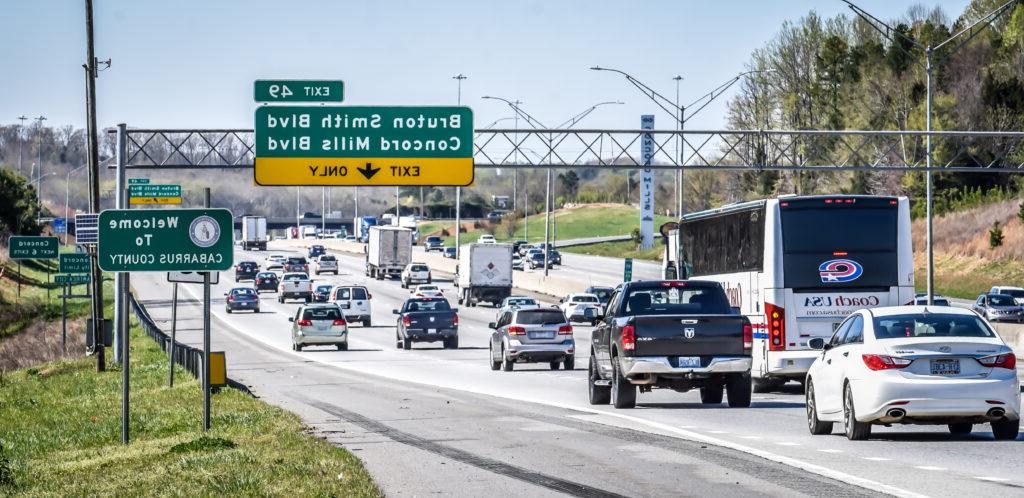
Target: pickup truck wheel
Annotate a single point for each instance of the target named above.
(406, 344)
(452, 343)
(623, 393)
(817, 427)
(737, 387)
(711, 394)
(343, 346)
(555, 365)
(599, 395)
(506, 364)
(570, 362)
(308, 299)
(398, 341)
(366, 323)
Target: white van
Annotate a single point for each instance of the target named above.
(354, 300)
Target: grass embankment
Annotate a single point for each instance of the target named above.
(623, 249)
(60, 432)
(588, 220)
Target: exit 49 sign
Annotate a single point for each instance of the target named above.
(326, 91)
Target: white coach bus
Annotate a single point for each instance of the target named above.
(798, 265)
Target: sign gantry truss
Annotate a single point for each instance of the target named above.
(711, 150)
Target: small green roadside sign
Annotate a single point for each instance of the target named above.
(299, 91)
(627, 271)
(73, 279)
(166, 240)
(32, 247)
(71, 262)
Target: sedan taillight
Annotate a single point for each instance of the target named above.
(882, 362)
(339, 322)
(1006, 360)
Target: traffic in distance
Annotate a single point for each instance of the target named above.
(814, 290)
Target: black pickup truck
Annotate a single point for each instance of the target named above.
(427, 320)
(675, 334)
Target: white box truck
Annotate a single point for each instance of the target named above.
(254, 233)
(484, 273)
(388, 250)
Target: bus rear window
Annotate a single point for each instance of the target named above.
(847, 229)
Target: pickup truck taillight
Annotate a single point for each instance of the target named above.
(455, 321)
(748, 337)
(304, 323)
(565, 330)
(514, 330)
(406, 321)
(628, 338)
(775, 318)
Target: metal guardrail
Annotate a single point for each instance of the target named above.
(188, 357)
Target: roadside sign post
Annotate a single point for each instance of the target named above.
(206, 314)
(627, 271)
(174, 333)
(32, 247)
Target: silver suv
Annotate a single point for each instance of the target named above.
(319, 324)
(535, 335)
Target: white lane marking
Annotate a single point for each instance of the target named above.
(720, 432)
(929, 467)
(831, 451)
(632, 422)
(751, 437)
(992, 479)
(687, 426)
(788, 443)
(877, 459)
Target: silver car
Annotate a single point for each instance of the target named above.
(538, 335)
(319, 324)
(998, 308)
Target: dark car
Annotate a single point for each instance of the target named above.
(242, 298)
(536, 260)
(316, 250)
(266, 281)
(449, 252)
(296, 264)
(670, 334)
(321, 293)
(603, 293)
(516, 245)
(554, 257)
(427, 320)
(494, 216)
(246, 270)
(998, 308)
(433, 243)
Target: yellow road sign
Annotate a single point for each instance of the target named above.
(364, 171)
(154, 200)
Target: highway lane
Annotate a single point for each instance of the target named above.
(901, 460)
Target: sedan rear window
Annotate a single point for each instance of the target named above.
(267, 275)
(930, 325)
(584, 299)
(327, 258)
(540, 317)
(243, 292)
(296, 261)
(322, 314)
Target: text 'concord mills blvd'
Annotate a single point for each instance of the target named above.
(342, 121)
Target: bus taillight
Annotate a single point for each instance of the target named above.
(776, 323)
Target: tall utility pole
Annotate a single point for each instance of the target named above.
(458, 190)
(929, 53)
(94, 185)
(679, 153)
(39, 160)
(21, 144)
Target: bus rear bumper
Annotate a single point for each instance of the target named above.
(790, 364)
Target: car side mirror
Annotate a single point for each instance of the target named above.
(561, 300)
(225, 293)
(394, 312)
(492, 325)
(817, 343)
(291, 319)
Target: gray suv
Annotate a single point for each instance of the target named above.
(540, 335)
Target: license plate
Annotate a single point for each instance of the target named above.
(431, 331)
(945, 367)
(689, 362)
(542, 335)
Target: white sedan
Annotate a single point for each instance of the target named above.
(913, 365)
(574, 306)
(427, 291)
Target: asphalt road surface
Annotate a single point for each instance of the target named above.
(431, 421)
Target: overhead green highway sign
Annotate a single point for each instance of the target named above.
(32, 247)
(326, 91)
(374, 146)
(73, 262)
(165, 240)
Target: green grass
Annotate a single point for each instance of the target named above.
(60, 434)
(967, 277)
(16, 312)
(624, 249)
(581, 222)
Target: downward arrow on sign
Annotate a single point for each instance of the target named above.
(368, 171)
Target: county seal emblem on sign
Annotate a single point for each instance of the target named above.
(204, 231)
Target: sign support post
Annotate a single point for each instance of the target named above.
(206, 335)
(174, 333)
(64, 317)
(120, 291)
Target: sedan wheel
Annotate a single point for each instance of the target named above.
(1005, 430)
(855, 431)
(816, 426)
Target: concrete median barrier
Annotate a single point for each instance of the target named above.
(1013, 334)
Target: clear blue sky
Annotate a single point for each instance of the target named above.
(191, 63)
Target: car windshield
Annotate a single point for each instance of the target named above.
(677, 301)
(585, 299)
(243, 292)
(930, 325)
(936, 301)
(540, 317)
(537, 256)
(325, 313)
(297, 261)
(427, 305)
(419, 268)
(1001, 300)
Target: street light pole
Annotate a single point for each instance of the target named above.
(21, 144)
(929, 51)
(39, 160)
(458, 190)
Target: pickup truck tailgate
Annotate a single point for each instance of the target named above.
(431, 320)
(694, 335)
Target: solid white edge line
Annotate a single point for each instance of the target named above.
(684, 434)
